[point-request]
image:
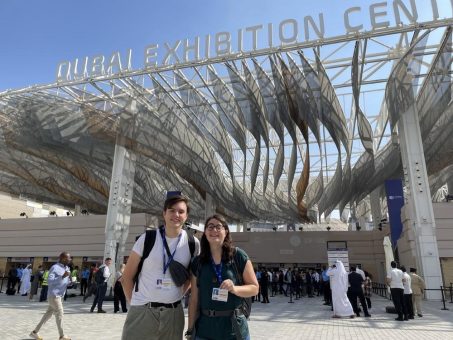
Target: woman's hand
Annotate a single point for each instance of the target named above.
(228, 285)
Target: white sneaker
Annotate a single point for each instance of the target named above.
(35, 335)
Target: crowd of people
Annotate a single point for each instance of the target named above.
(168, 263)
(289, 282)
(407, 291)
(348, 293)
(348, 288)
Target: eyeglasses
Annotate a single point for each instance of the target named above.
(217, 227)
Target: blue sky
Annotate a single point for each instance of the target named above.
(37, 35)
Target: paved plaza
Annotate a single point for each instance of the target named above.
(304, 319)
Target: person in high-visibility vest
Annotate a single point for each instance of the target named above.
(44, 287)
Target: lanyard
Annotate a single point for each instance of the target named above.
(165, 247)
(217, 269)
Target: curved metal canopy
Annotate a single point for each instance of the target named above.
(268, 138)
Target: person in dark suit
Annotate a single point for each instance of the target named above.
(12, 277)
(309, 284)
(264, 285)
(356, 291)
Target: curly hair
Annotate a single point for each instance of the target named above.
(227, 246)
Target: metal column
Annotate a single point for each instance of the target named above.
(210, 207)
(418, 200)
(376, 210)
(121, 191)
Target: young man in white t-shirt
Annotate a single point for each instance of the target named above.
(156, 311)
(395, 281)
(408, 307)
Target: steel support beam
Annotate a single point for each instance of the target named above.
(375, 203)
(210, 206)
(120, 195)
(418, 200)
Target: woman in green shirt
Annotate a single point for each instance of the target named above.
(216, 294)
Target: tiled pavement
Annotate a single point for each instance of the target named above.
(304, 319)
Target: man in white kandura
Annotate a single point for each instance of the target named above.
(25, 281)
(339, 285)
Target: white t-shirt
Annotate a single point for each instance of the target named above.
(361, 272)
(396, 277)
(407, 284)
(153, 270)
(106, 272)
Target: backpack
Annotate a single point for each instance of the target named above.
(150, 239)
(99, 276)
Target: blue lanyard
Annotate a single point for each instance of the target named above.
(217, 269)
(165, 265)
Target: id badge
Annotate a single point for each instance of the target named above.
(159, 283)
(219, 294)
(167, 284)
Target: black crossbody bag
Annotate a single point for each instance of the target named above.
(179, 273)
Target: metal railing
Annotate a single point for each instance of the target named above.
(382, 290)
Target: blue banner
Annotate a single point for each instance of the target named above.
(395, 200)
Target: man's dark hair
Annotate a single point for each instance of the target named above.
(393, 264)
(413, 270)
(171, 201)
(403, 269)
(64, 254)
(352, 269)
(108, 258)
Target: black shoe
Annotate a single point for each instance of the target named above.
(91, 310)
(125, 311)
(420, 315)
(406, 319)
(358, 314)
(115, 311)
(368, 315)
(399, 319)
(101, 311)
(411, 317)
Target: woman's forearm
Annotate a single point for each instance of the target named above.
(246, 290)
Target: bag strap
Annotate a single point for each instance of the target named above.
(191, 244)
(238, 276)
(161, 231)
(198, 270)
(237, 330)
(190, 241)
(150, 239)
